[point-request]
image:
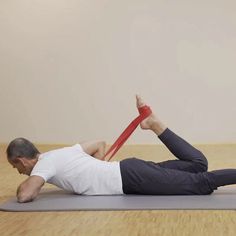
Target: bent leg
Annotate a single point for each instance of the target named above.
(190, 158)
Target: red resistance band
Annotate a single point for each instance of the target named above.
(144, 112)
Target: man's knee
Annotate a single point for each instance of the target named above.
(202, 163)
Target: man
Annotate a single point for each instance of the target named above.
(80, 168)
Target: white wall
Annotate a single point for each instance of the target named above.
(69, 69)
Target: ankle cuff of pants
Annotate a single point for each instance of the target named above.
(165, 134)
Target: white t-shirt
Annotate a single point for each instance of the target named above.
(72, 169)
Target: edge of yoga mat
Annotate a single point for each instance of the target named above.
(59, 200)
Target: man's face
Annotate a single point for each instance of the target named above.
(20, 166)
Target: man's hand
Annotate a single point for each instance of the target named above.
(94, 148)
(29, 189)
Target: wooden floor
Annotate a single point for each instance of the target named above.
(156, 222)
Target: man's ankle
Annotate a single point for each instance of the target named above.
(158, 128)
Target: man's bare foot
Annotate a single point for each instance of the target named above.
(151, 122)
(148, 122)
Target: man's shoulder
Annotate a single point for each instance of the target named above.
(61, 152)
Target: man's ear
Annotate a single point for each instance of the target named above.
(21, 160)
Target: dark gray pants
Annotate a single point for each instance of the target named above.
(186, 176)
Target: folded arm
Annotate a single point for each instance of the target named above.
(94, 148)
(29, 189)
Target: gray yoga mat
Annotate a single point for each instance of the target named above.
(58, 200)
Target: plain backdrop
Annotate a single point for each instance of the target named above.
(70, 69)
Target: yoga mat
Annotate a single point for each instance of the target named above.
(58, 200)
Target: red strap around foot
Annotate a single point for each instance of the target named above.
(144, 112)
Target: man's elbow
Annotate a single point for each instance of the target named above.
(24, 197)
(29, 189)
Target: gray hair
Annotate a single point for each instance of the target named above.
(21, 147)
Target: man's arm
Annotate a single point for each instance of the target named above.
(94, 148)
(29, 189)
